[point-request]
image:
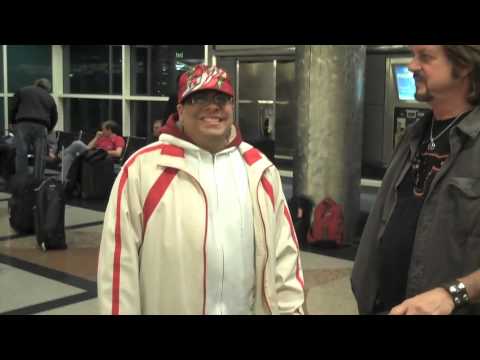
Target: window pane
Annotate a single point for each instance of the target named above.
(256, 81)
(2, 117)
(92, 69)
(154, 68)
(88, 114)
(1, 70)
(10, 105)
(285, 130)
(285, 111)
(143, 114)
(26, 63)
(285, 81)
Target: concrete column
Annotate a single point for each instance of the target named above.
(330, 94)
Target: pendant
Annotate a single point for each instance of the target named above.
(431, 146)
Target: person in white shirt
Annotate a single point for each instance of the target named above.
(197, 223)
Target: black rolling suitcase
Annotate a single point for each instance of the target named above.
(21, 203)
(49, 214)
(97, 176)
(7, 156)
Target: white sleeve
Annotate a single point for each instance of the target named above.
(118, 261)
(288, 273)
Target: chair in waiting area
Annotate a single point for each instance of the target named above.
(65, 139)
(132, 144)
(97, 178)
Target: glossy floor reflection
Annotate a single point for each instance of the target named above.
(64, 282)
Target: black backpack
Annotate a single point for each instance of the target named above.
(301, 211)
(95, 155)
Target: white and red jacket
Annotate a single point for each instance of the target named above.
(153, 253)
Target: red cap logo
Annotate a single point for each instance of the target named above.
(203, 77)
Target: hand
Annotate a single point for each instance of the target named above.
(98, 134)
(434, 302)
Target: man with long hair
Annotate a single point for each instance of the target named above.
(420, 249)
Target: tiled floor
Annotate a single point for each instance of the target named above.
(64, 282)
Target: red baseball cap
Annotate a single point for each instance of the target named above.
(203, 77)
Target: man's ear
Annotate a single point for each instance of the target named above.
(180, 109)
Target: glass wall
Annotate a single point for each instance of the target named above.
(92, 69)
(285, 108)
(2, 117)
(10, 103)
(155, 68)
(88, 81)
(88, 114)
(1, 69)
(26, 63)
(143, 114)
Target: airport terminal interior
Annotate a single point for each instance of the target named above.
(132, 85)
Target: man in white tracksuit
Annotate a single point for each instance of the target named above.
(197, 222)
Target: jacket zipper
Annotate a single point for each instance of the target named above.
(219, 289)
(204, 242)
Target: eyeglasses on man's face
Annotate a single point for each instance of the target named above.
(208, 97)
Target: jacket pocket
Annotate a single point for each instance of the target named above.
(468, 187)
(464, 199)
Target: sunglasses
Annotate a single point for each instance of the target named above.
(206, 97)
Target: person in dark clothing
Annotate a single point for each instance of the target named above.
(33, 114)
(156, 129)
(420, 249)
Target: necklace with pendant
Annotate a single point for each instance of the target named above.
(431, 144)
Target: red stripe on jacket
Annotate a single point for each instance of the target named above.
(294, 236)
(252, 156)
(265, 298)
(268, 189)
(118, 237)
(156, 193)
(172, 150)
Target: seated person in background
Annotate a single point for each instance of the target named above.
(106, 139)
(157, 125)
(170, 109)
